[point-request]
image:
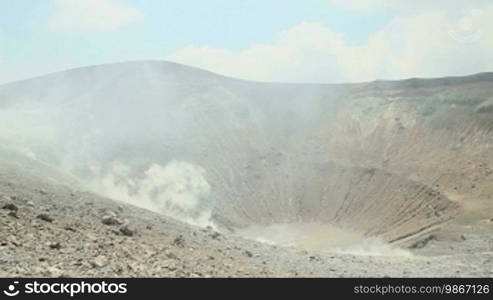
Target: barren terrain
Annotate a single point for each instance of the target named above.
(157, 169)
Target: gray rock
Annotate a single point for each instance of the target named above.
(45, 217)
(179, 241)
(11, 207)
(99, 261)
(126, 231)
(111, 220)
(13, 213)
(56, 246)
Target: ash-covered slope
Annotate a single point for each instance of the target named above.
(387, 159)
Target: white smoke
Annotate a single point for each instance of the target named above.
(322, 238)
(178, 190)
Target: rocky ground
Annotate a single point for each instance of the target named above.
(52, 230)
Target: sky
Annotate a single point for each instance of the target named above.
(277, 40)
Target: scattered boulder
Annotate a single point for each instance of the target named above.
(14, 241)
(45, 217)
(126, 231)
(56, 246)
(169, 264)
(13, 213)
(11, 207)
(99, 261)
(53, 272)
(171, 255)
(215, 235)
(68, 228)
(423, 242)
(179, 241)
(111, 220)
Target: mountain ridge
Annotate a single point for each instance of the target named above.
(481, 76)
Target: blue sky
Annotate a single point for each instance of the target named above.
(297, 40)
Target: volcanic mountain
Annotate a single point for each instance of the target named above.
(394, 160)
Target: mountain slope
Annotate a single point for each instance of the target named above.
(394, 160)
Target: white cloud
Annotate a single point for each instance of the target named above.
(92, 15)
(425, 45)
(408, 6)
(359, 4)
